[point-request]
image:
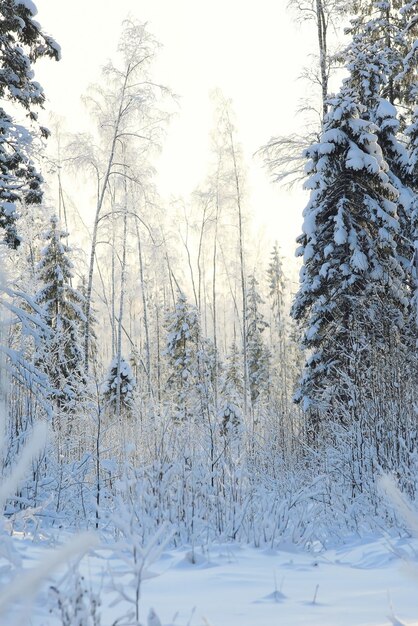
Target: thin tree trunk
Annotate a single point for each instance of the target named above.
(157, 320)
(122, 299)
(199, 257)
(189, 262)
(242, 265)
(322, 44)
(113, 296)
(145, 311)
(101, 193)
(214, 302)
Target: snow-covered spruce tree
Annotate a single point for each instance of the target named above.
(257, 352)
(395, 155)
(352, 299)
(279, 330)
(93, 348)
(277, 284)
(285, 355)
(118, 391)
(232, 390)
(60, 354)
(183, 333)
(231, 414)
(412, 168)
(391, 27)
(22, 42)
(375, 60)
(406, 79)
(207, 367)
(379, 23)
(378, 55)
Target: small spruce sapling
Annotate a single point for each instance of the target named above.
(125, 385)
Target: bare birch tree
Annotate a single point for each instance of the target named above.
(125, 109)
(283, 155)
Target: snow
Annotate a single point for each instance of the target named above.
(385, 109)
(309, 252)
(357, 584)
(312, 331)
(28, 4)
(357, 160)
(326, 148)
(359, 260)
(340, 233)
(309, 222)
(328, 250)
(334, 136)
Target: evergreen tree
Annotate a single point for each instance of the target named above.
(82, 290)
(207, 369)
(374, 61)
(412, 134)
(408, 41)
(407, 79)
(258, 354)
(232, 391)
(125, 386)
(183, 333)
(277, 285)
(22, 42)
(60, 354)
(352, 296)
(378, 25)
(382, 64)
(283, 348)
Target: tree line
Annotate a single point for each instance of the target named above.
(169, 353)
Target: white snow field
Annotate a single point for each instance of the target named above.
(361, 583)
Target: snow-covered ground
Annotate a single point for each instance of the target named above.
(362, 583)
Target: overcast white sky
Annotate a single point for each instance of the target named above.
(250, 49)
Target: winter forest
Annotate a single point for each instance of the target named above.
(194, 429)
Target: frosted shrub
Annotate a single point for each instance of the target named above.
(76, 605)
(137, 555)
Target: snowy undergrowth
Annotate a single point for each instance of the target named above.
(252, 495)
(311, 566)
(360, 583)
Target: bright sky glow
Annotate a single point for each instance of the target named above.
(251, 50)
